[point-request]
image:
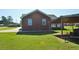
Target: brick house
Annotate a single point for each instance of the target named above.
(36, 21)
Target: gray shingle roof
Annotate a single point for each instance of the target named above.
(53, 17)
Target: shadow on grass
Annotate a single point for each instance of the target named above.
(74, 39)
(55, 28)
(35, 33)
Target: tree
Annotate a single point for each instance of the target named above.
(4, 19)
(9, 19)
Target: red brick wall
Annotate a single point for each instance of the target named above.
(37, 25)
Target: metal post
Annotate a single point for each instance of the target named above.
(61, 26)
(72, 27)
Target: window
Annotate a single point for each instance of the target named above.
(29, 21)
(43, 21)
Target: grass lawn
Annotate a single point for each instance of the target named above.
(68, 29)
(11, 41)
(7, 28)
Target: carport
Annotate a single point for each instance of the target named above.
(67, 19)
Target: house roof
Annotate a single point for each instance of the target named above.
(53, 17)
(72, 15)
(67, 19)
(50, 16)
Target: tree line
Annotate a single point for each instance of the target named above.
(8, 21)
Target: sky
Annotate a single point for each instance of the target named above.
(17, 13)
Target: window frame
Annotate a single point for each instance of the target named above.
(29, 21)
(44, 21)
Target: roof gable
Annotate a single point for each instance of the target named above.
(36, 11)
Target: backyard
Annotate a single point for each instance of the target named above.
(14, 41)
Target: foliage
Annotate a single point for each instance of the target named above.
(4, 19)
(9, 19)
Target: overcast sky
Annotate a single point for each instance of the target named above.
(16, 13)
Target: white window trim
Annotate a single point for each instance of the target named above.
(29, 21)
(44, 20)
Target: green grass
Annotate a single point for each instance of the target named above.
(12, 41)
(7, 28)
(68, 29)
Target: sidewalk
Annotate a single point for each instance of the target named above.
(12, 30)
